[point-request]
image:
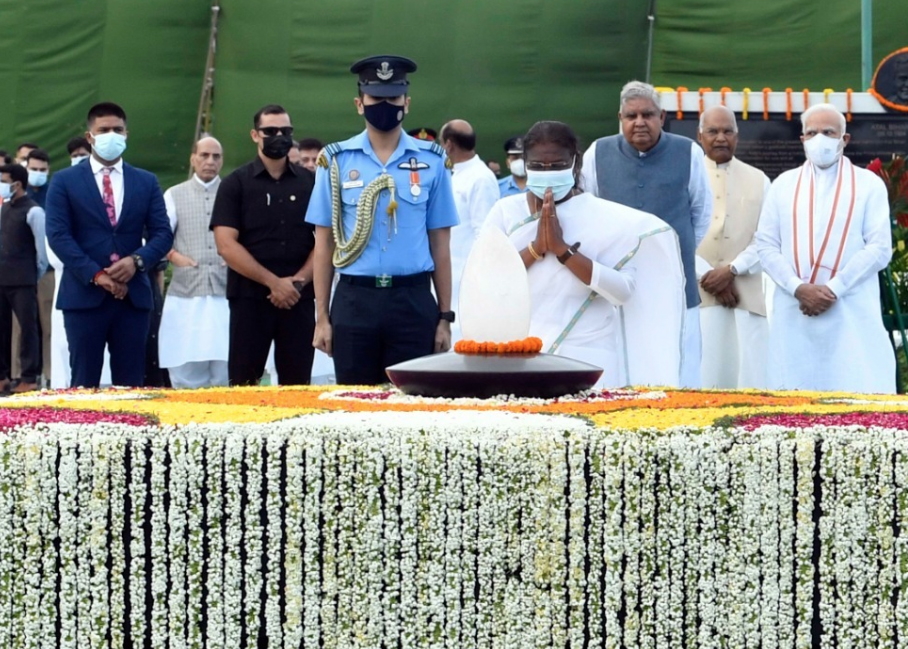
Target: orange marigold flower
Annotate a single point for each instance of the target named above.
(529, 345)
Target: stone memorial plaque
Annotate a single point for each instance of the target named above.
(773, 146)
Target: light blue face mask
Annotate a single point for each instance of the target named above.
(109, 146)
(561, 182)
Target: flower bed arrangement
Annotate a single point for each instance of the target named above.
(361, 517)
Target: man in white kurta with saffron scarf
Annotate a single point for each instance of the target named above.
(824, 235)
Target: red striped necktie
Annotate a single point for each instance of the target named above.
(108, 197)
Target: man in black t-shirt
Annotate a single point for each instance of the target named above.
(260, 230)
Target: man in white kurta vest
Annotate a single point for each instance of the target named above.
(824, 235)
(475, 192)
(194, 334)
(732, 307)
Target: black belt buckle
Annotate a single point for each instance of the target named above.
(384, 281)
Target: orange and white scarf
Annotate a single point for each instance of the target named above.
(817, 260)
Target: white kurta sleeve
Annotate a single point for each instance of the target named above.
(484, 195)
(701, 195)
(35, 220)
(748, 260)
(769, 243)
(616, 286)
(877, 236)
(171, 207)
(588, 180)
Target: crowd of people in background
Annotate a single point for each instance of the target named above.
(660, 259)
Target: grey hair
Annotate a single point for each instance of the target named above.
(819, 108)
(728, 110)
(639, 90)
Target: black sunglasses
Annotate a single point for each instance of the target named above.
(271, 131)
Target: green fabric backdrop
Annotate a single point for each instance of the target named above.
(482, 60)
(500, 65)
(58, 58)
(799, 44)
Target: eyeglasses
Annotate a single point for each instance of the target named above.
(558, 165)
(271, 131)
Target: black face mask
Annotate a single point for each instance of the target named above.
(384, 116)
(277, 146)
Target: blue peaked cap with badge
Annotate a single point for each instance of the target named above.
(383, 76)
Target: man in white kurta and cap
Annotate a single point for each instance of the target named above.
(824, 235)
(194, 334)
(732, 306)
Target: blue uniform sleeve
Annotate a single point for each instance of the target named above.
(441, 212)
(319, 212)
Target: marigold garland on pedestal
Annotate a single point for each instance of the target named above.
(531, 345)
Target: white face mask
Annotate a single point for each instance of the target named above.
(37, 178)
(823, 151)
(79, 158)
(6, 191)
(518, 167)
(561, 182)
(109, 146)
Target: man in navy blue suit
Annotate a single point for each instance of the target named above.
(98, 212)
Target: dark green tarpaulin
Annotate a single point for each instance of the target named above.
(778, 44)
(500, 65)
(58, 58)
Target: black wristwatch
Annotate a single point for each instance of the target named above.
(140, 263)
(447, 316)
(567, 254)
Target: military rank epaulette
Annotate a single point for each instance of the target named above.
(324, 157)
(428, 145)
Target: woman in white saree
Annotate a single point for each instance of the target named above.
(606, 281)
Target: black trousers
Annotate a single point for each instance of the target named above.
(374, 328)
(23, 301)
(254, 324)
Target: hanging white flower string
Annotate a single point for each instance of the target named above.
(214, 516)
(233, 539)
(295, 517)
(195, 482)
(69, 534)
(176, 540)
(118, 612)
(30, 452)
(160, 549)
(50, 532)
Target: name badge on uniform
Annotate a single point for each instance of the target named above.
(352, 184)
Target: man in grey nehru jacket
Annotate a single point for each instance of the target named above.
(194, 335)
(663, 174)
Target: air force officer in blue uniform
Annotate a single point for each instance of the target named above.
(97, 214)
(383, 209)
